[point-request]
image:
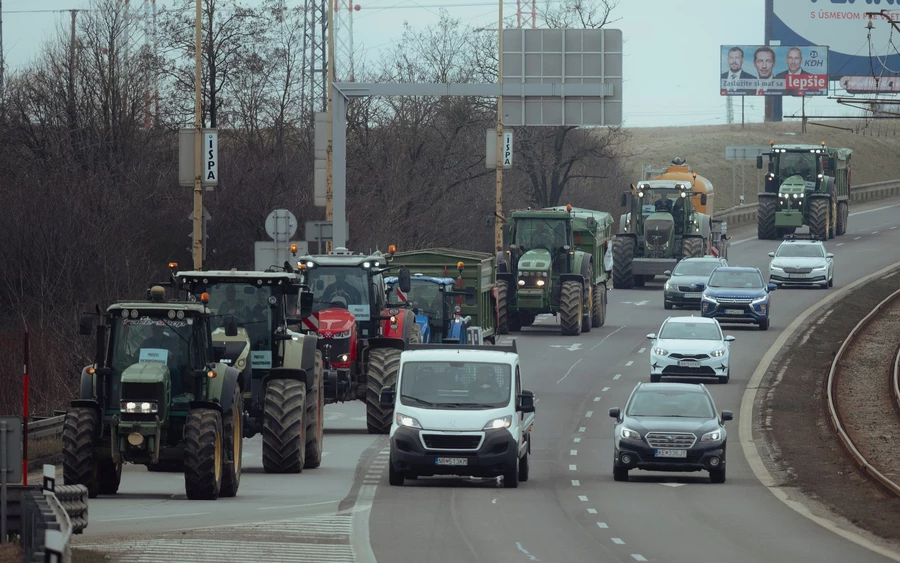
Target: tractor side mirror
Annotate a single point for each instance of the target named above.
(230, 326)
(306, 304)
(403, 280)
(702, 199)
(470, 295)
(771, 166)
(759, 162)
(624, 199)
(387, 397)
(86, 325)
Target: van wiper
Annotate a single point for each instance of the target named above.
(482, 405)
(416, 399)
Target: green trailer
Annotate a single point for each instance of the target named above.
(557, 264)
(805, 185)
(444, 279)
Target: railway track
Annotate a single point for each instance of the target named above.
(863, 394)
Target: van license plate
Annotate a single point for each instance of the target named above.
(671, 453)
(451, 461)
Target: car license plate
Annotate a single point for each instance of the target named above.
(671, 453)
(689, 364)
(451, 461)
(692, 296)
(734, 311)
(796, 275)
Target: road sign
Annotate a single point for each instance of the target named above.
(270, 253)
(490, 145)
(565, 57)
(507, 150)
(281, 225)
(746, 152)
(209, 161)
(11, 427)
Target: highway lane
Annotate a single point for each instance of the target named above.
(571, 509)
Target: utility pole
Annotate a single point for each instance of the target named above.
(329, 153)
(70, 90)
(2, 59)
(498, 210)
(198, 145)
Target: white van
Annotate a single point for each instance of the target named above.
(460, 410)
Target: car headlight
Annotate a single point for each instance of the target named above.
(406, 420)
(629, 434)
(775, 267)
(718, 353)
(823, 267)
(502, 422)
(709, 298)
(660, 351)
(759, 300)
(670, 286)
(139, 407)
(713, 436)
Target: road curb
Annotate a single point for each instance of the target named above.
(748, 416)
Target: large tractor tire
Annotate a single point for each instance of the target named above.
(766, 209)
(315, 416)
(623, 256)
(843, 215)
(384, 365)
(598, 311)
(284, 427)
(692, 247)
(204, 456)
(502, 312)
(818, 217)
(415, 334)
(570, 308)
(587, 310)
(79, 465)
(233, 440)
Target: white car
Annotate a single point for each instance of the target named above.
(802, 262)
(690, 347)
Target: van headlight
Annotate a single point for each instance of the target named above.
(406, 420)
(502, 422)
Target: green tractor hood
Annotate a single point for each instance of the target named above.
(146, 372)
(659, 228)
(535, 260)
(793, 185)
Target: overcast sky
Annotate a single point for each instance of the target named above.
(671, 61)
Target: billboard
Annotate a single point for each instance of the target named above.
(840, 24)
(760, 70)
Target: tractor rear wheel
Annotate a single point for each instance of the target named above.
(843, 213)
(692, 247)
(382, 369)
(818, 217)
(502, 313)
(587, 297)
(598, 312)
(79, 465)
(623, 256)
(570, 308)
(315, 414)
(233, 439)
(766, 218)
(284, 427)
(203, 454)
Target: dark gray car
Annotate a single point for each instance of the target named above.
(687, 280)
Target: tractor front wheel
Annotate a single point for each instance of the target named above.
(570, 308)
(315, 414)
(203, 454)
(233, 426)
(284, 427)
(623, 256)
(79, 465)
(382, 370)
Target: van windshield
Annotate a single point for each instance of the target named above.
(462, 385)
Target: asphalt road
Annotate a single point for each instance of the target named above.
(570, 510)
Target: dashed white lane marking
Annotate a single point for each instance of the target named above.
(857, 238)
(641, 351)
(892, 228)
(572, 467)
(874, 232)
(570, 371)
(638, 557)
(618, 541)
(602, 525)
(617, 376)
(589, 414)
(629, 362)
(839, 244)
(582, 428)
(592, 511)
(573, 452)
(577, 440)
(605, 389)
(582, 498)
(525, 551)
(576, 483)
(596, 399)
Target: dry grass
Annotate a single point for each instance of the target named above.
(44, 449)
(10, 553)
(874, 150)
(89, 556)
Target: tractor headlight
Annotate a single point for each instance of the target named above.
(521, 282)
(139, 407)
(540, 283)
(344, 358)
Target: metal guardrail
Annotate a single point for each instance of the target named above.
(47, 516)
(743, 214)
(46, 427)
(833, 412)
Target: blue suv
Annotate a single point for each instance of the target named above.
(736, 294)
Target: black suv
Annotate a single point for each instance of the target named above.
(670, 427)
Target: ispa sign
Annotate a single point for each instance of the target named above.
(841, 25)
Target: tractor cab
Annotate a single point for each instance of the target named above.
(436, 302)
(543, 238)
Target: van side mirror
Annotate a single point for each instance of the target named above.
(702, 199)
(387, 397)
(526, 401)
(727, 415)
(230, 326)
(615, 413)
(403, 280)
(86, 325)
(759, 162)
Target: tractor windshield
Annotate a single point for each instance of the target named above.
(248, 303)
(346, 287)
(427, 297)
(156, 339)
(549, 234)
(802, 163)
(660, 200)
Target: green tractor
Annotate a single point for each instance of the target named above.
(157, 396)
(555, 265)
(660, 228)
(282, 380)
(805, 185)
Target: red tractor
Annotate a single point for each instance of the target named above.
(360, 335)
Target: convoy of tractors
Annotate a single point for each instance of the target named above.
(208, 358)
